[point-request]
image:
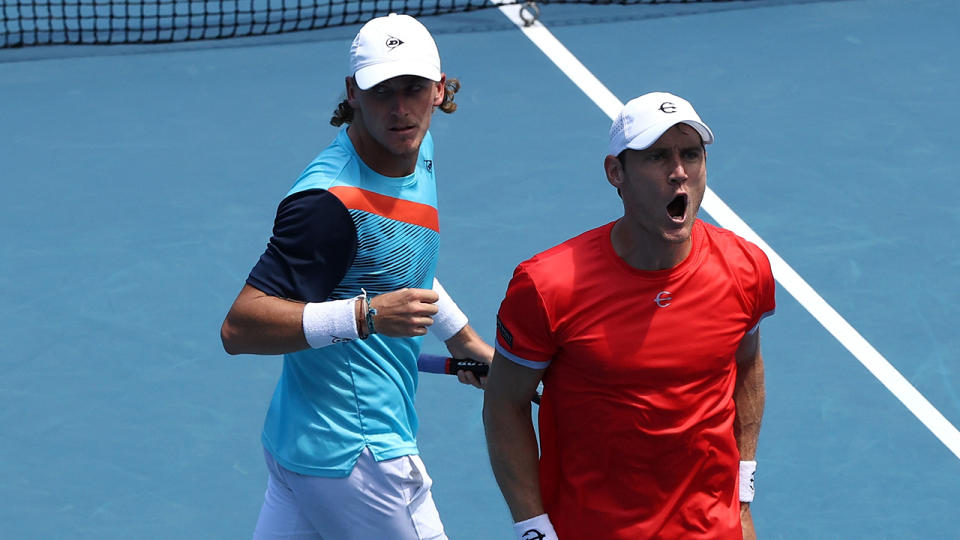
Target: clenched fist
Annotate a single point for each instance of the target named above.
(404, 313)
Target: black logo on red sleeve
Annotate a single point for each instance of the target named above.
(504, 333)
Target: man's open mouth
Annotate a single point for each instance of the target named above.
(678, 207)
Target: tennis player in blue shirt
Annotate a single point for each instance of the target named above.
(346, 290)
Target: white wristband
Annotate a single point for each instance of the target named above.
(326, 323)
(449, 320)
(748, 470)
(535, 528)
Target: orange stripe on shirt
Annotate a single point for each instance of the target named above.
(415, 213)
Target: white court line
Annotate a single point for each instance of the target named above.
(785, 275)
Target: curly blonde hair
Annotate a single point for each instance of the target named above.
(343, 114)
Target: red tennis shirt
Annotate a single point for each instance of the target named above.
(636, 422)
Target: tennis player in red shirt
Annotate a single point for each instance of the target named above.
(645, 333)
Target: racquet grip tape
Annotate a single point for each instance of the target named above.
(434, 363)
(480, 369)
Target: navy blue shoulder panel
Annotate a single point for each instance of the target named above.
(314, 242)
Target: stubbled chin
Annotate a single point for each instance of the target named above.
(404, 143)
(679, 233)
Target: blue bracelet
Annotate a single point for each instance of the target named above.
(371, 311)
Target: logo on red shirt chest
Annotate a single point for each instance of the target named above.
(663, 298)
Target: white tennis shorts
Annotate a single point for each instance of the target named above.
(389, 499)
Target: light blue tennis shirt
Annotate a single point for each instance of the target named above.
(332, 402)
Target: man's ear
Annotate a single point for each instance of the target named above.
(441, 90)
(352, 91)
(614, 170)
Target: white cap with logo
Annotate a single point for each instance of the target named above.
(644, 119)
(391, 46)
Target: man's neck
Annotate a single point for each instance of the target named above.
(645, 251)
(378, 158)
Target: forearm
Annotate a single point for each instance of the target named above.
(749, 398)
(262, 324)
(468, 344)
(514, 457)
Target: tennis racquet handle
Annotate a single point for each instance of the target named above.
(434, 363)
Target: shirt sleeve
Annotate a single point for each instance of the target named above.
(313, 244)
(765, 300)
(524, 333)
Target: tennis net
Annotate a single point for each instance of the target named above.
(97, 22)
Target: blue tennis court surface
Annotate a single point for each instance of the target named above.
(140, 185)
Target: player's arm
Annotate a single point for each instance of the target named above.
(283, 306)
(511, 439)
(259, 323)
(468, 344)
(451, 327)
(749, 396)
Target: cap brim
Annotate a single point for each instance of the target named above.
(370, 76)
(650, 136)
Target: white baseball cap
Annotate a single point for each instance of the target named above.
(644, 119)
(392, 46)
